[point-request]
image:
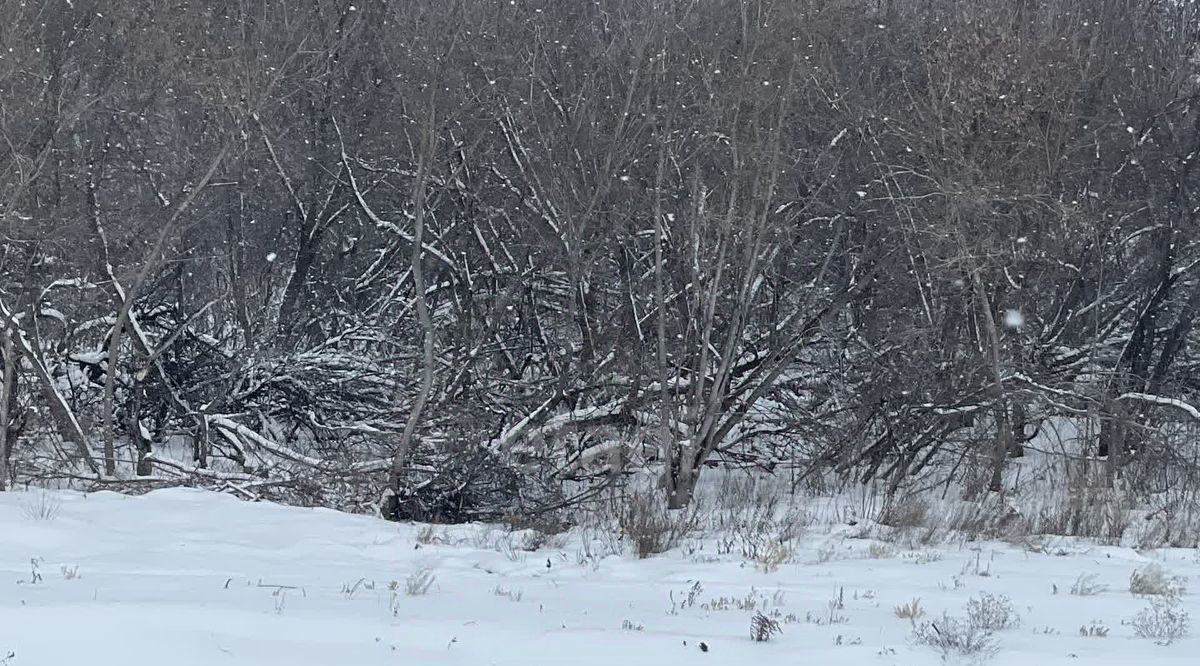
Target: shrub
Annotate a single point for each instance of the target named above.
(1085, 585)
(763, 628)
(653, 528)
(910, 611)
(881, 551)
(459, 485)
(40, 505)
(956, 635)
(904, 511)
(1163, 621)
(773, 556)
(993, 612)
(511, 595)
(1153, 580)
(752, 519)
(418, 582)
(430, 535)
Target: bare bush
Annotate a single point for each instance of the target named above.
(419, 582)
(650, 526)
(40, 505)
(910, 611)
(763, 628)
(1154, 580)
(776, 554)
(751, 520)
(1085, 585)
(880, 551)
(429, 535)
(956, 636)
(993, 612)
(908, 511)
(1085, 507)
(1163, 621)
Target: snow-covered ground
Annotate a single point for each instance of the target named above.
(186, 577)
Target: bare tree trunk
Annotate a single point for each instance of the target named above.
(114, 345)
(1112, 438)
(666, 439)
(141, 445)
(1019, 421)
(683, 480)
(1002, 443)
(400, 459)
(7, 384)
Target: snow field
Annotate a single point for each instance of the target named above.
(189, 577)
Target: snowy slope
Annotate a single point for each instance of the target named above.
(187, 577)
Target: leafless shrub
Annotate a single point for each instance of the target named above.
(763, 628)
(923, 556)
(905, 511)
(881, 551)
(977, 566)
(686, 599)
(508, 546)
(546, 522)
(429, 535)
(1173, 520)
(827, 553)
(511, 595)
(993, 612)
(1163, 621)
(910, 611)
(956, 635)
(419, 582)
(775, 555)
(1154, 580)
(534, 540)
(832, 614)
(751, 520)
(1086, 510)
(40, 505)
(349, 590)
(1085, 585)
(644, 518)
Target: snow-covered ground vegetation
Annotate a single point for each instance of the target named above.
(195, 577)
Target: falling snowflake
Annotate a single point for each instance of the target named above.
(1014, 319)
(271, 256)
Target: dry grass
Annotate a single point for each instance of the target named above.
(650, 526)
(910, 611)
(419, 582)
(774, 556)
(905, 511)
(40, 505)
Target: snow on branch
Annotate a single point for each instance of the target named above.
(1166, 402)
(279, 450)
